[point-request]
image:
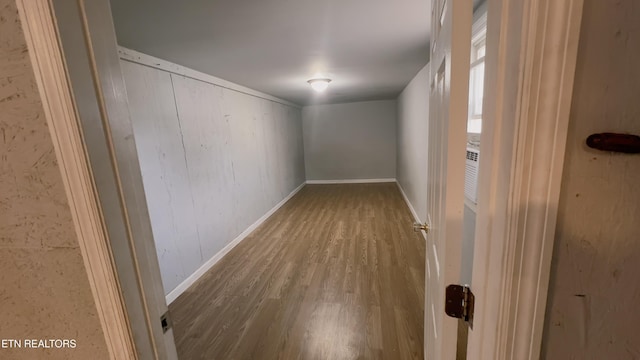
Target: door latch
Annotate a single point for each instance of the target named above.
(417, 227)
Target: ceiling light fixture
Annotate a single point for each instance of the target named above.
(319, 85)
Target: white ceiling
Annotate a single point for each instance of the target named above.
(370, 48)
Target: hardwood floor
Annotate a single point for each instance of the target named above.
(336, 273)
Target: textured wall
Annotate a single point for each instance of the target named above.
(593, 295)
(213, 162)
(413, 126)
(350, 141)
(44, 290)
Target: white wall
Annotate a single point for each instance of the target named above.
(413, 126)
(350, 141)
(592, 311)
(214, 161)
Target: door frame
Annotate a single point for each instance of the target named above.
(529, 70)
(530, 65)
(38, 24)
(86, 107)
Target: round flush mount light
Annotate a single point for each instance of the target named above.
(319, 84)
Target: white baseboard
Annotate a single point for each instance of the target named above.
(416, 218)
(183, 286)
(351, 181)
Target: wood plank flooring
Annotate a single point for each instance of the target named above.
(336, 273)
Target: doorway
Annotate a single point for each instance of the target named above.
(103, 107)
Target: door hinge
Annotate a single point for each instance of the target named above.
(459, 301)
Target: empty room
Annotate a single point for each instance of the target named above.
(418, 179)
(267, 137)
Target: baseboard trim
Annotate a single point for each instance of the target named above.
(416, 218)
(183, 286)
(351, 181)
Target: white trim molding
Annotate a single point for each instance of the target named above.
(183, 286)
(351, 181)
(164, 65)
(531, 58)
(39, 26)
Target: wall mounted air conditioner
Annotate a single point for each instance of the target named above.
(471, 175)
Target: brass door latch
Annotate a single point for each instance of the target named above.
(417, 227)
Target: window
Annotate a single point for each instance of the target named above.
(476, 77)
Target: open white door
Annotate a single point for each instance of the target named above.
(450, 52)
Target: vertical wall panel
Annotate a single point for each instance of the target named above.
(296, 147)
(214, 161)
(280, 146)
(266, 161)
(207, 146)
(164, 171)
(248, 203)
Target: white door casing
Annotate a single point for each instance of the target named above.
(530, 64)
(38, 24)
(84, 34)
(450, 56)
